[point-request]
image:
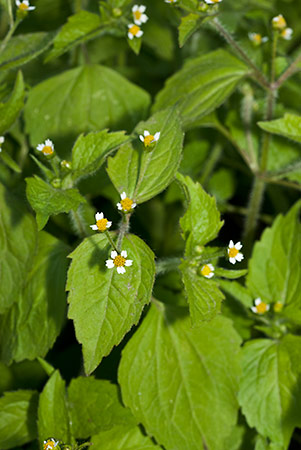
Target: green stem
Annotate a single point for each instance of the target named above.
(247, 113)
(10, 13)
(211, 163)
(253, 212)
(291, 70)
(123, 229)
(111, 241)
(11, 31)
(223, 130)
(81, 227)
(289, 184)
(165, 265)
(259, 76)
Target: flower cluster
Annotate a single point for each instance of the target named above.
(102, 224)
(50, 444)
(261, 307)
(47, 148)
(24, 6)
(234, 256)
(257, 39)
(139, 17)
(148, 139)
(119, 261)
(126, 204)
(280, 25)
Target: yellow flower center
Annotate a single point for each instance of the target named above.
(47, 150)
(148, 140)
(261, 308)
(23, 6)
(137, 15)
(102, 224)
(280, 22)
(278, 307)
(119, 261)
(126, 204)
(49, 444)
(134, 30)
(233, 252)
(205, 271)
(257, 38)
(216, 1)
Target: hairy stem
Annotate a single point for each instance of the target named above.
(291, 70)
(12, 29)
(123, 229)
(111, 241)
(211, 163)
(165, 265)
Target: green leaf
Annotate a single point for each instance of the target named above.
(18, 416)
(89, 152)
(30, 326)
(87, 98)
(231, 274)
(181, 383)
(189, 24)
(8, 160)
(123, 437)
(53, 419)
(23, 48)
(202, 85)
(18, 240)
(95, 406)
(274, 269)
(153, 37)
(135, 45)
(80, 28)
(104, 304)
(142, 173)
(10, 110)
(201, 222)
(204, 296)
(47, 200)
(237, 291)
(288, 126)
(270, 393)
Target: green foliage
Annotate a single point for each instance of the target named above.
(23, 48)
(270, 394)
(18, 411)
(53, 417)
(10, 110)
(123, 437)
(47, 200)
(141, 172)
(288, 126)
(169, 370)
(202, 85)
(189, 24)
(104, 305)
(79, 100)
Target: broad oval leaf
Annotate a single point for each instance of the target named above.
(18, 417)
(53, 418)
(142, 173)
(23, 48)
(201, 222)
(10, 110)
(104, 305)
(47, 200)
(270, 393)
(123, 437)
(189, 24)
(181, 383)
(95, 406)
(288, 126)
(202, 85)
(87, 98)
(274, 269)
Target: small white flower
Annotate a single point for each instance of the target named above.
(126, 204)
(170, 1)
(207, 271)
(138, 14)
(233, 252)
(149, 139)
(212, 2)
(134, 31)
(50, 444)
(102, 224)
(47, 148)
(279, 22)
(260, 307)
(119, 261)
(257, 39)
(24, 5)
(287, 34)
(2, 139)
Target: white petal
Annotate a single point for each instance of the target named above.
(210, 267)
(94, 227)
(31, 8)
(135, 8)
(130, 25)
(124, 253)
(257, 301)
(238, 246)
(2, 139)
(254, 309)
(268, 307)
(144, 18)
(123, 195)
(98, 216)
(264, 39)
(49, 143)
(239, 257)
(139, 34)
(142, 8)
(40, 147)
(128, 262)
(119, 206)
(231, 244)
(141, 137)
(232, 260)
(18, 4)
(109, 263)
(138, 22)
(146, 133)
(120, 270)
(134, 205)
(113, 254)
(130, 36)
(108, 224)
(210, 275)
(157, 136)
